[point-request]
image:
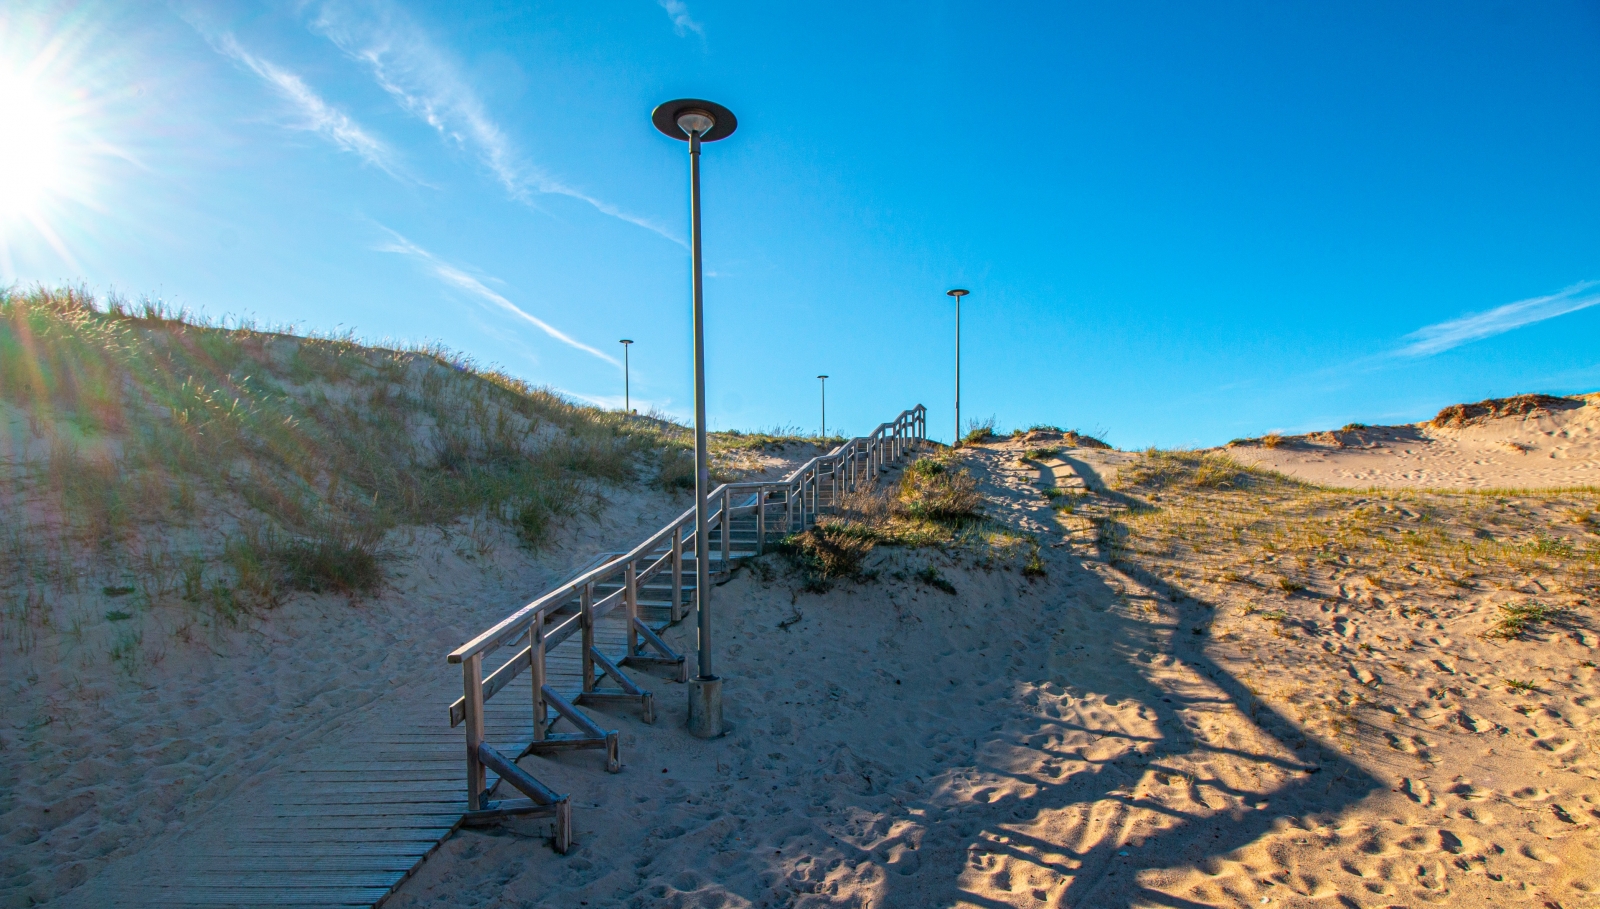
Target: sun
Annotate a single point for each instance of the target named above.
(33, 169)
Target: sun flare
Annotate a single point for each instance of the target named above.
(32, 166)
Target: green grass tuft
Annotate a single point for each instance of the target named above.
(1518, 619)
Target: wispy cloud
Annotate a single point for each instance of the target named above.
(678, 11)
(315, 114)
(424, 81)
(460, 280)
(1433, 339)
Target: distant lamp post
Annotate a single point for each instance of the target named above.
(958, 293)
(824, 406)
(699, 121)
(627, 379)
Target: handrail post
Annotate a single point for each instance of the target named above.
(631, 599)
(472, 691)
(677, 574)
(727, 531)
(536, 672)
(811, 513)
(761, 520)
(586, 603)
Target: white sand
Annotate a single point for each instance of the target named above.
(1058, 742)
(1065, 742)
(1560, 449)
(101, 759)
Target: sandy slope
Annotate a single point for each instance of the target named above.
(99, 757)
(1550, 451)
(1069, 741)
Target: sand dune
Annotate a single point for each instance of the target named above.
(1543, 451)
(1208, 698)
(1118, 732)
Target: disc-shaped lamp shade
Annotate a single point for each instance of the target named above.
(822, 377)
(625, 341)
(957, 293)
(666, 117)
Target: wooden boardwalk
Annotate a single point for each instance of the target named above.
(355, 813)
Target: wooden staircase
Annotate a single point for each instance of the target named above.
(574, 645)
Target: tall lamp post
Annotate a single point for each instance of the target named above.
(627, 379)
(824, 406)
(958, 293)
(699, 121)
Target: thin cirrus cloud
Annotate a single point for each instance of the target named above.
(678, 11)
(455, 277)
(316, 115)
(1443, 336)
(407, 64)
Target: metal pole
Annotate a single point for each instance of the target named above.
(824, 380)
(958, 370)
(702, 463)
(627, 379)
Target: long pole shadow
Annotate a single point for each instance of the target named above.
(1103, 873)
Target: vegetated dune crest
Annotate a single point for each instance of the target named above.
(1522, 442)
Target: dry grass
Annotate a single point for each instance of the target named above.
(935, 503)
(936, 489)
(221, 467)
(1459, 415)
(978, 431)
(1303, 570)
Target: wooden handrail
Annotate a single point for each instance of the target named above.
(884, 444)
(517, 623)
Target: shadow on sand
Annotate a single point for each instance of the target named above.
(1102, 874)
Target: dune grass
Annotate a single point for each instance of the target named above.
(935, 503)
(226, 466)
(1504, 567)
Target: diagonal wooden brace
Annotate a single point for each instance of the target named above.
(541, 801)
(589, 735)
(668, 656)
(629, 692)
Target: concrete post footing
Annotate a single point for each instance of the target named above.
(705, 707)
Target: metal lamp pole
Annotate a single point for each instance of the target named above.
(958, 293)
(627, 379)
(824, 406)
(699, 121)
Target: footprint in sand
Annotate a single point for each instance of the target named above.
(1418, 792)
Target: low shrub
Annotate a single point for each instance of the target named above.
(329, 565)
(936, 490)
(1517, 620)
(930, 575)
(828, 552)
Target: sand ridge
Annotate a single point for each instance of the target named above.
(1543, 451)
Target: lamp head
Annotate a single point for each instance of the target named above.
(958, 293)
(695, 121)
(822, 377)
(625, 341)
(680, 118)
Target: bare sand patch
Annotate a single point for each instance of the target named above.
(1530, 447)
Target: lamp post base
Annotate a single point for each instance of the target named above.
(705, 707)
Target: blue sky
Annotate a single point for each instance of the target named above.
(1180, 222)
